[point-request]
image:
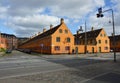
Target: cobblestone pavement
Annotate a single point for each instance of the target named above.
(79, 75)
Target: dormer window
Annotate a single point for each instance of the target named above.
(66, 31)
(60, 30)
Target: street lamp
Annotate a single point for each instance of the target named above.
(85, 39)
(77, 38)
(100, 14)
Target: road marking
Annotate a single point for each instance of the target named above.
(25, 66)
(94, 77)
(33, 73)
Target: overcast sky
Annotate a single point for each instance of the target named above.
(25, 18)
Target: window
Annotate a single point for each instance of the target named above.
(57, 39)
(104, 35)
(57, 48)
(2, 41)
(101, 35)
(106, 48)
(68, 39)
(106, 42)
(99, 41)
(66, 31)
(67, 48)
(60, 30)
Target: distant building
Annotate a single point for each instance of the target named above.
(56, 40)
(117, 43)
(96, 41)
(8, 41)
(22, 40)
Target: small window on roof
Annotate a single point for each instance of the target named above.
(66, 31)
(104, 35)
(60, 30)
(101, 35)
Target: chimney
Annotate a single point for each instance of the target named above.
(112, 34)
(44, 29)
(78, 32)
(92, 29)
(39, 33)
(62, 20)
(51, 26)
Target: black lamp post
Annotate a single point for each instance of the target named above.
(85, 37)
(100, 14)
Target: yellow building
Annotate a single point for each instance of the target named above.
(96, 41)
(56, 40)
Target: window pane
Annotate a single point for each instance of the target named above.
(57, 39)
(99, 41)
(67, 48)
(68, 39)
(106, 41)
(60, 30)
(57, 48)
(66, 31)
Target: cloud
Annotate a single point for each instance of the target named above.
(75, 8)
(104, 22)
(3, 11)
(31, 24)
(27, 17)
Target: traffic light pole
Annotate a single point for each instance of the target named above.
(85, 39)
(114, 45)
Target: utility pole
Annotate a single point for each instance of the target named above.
(100, 14)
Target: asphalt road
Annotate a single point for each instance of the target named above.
(21, 64)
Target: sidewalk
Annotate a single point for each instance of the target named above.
(88, 56)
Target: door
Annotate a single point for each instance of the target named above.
(76, 50)
(99, 49)
(92, 49)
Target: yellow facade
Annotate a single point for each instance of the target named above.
(56, 40)
(60, 40)
(97, 41)
(65, 45)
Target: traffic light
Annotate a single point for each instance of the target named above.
(100, 10)
(99, 13)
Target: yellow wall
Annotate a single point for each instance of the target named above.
(103, 45)
(92, 48)
(62, 42)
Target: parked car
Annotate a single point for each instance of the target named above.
(9, 51)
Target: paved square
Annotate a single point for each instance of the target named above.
(107, 78)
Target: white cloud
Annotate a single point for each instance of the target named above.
(3, 11)
(32, 24)
(104, 22)
(30, 16)
(75, 8)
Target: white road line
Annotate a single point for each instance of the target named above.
(94, 77)
(25, 66)
(5, 77)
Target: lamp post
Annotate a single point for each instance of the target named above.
(100, 14)
(85, 39)
(77, 38)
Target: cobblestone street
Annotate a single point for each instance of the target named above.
(80, 75)
(98, 66)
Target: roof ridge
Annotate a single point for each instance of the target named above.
(44, 34)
